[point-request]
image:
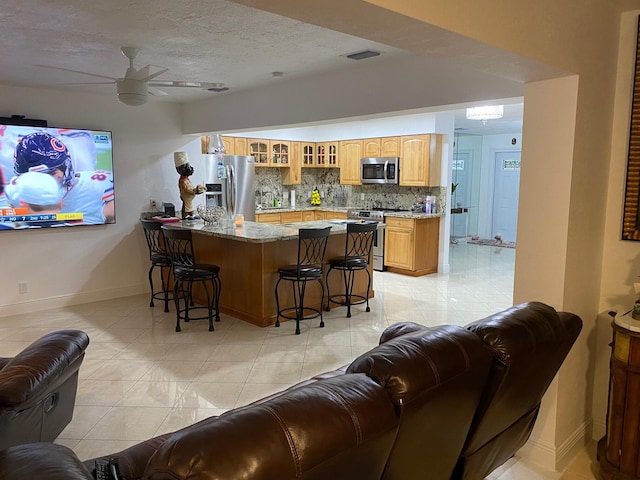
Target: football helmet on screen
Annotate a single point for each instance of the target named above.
(42, 152)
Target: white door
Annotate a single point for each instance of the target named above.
(505, 195)
(460, 199)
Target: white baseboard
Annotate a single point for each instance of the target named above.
(40, 304)
(549, 457)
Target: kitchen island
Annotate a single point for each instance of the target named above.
(249, 257)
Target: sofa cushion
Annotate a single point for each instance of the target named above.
(344, 424)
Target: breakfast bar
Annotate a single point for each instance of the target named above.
(249, 256)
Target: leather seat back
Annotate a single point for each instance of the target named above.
(530, 341)
(435, 377)
(339, 428)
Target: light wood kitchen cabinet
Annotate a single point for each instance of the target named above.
(381, 147)
(327, 154)
(259, 149)
(318, 215)
(293, 174)
(280, 153)
(308, 216)
(421, 160)
(268, 217)
(290, 217)
(229, 145)
(350, 155)
(241, 146)
(411, 245)
(308, 154)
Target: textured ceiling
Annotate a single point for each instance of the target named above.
(215, 41)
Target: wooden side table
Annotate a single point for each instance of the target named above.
(619, 450)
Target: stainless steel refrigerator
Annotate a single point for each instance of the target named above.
(231, 183)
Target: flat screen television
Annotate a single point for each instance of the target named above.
(55, 177)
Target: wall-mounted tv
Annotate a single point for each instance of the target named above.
(55, 177)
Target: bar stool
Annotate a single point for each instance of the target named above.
(186, 270)
(312, 244)
(357, 256)
(159, 258)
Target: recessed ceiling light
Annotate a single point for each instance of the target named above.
(362, 55)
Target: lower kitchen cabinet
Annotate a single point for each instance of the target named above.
(268, 217)
(290, 217)
(411, 245)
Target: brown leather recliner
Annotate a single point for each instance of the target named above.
(529, 343)
(38, 388)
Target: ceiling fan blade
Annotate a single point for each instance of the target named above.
(153, 75)
(75, 71)
(174, 83)
(156, 91)
(85, 83)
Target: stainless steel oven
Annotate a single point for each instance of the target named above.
(378, 238)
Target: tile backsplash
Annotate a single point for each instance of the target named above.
(327, 180)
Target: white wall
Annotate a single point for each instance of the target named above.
(74, 265)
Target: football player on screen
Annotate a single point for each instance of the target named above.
(87, 192)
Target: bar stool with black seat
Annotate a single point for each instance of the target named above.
(357, 256)
(312, 245)
(187, 271)
(159, 258)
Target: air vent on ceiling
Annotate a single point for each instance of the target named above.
(218, 89)
(362, 55)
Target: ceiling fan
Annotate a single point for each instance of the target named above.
(136, 85)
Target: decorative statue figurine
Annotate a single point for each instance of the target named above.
(187, 190)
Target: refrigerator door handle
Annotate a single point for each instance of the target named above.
(231, 191)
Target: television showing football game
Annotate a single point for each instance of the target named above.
(55, 177)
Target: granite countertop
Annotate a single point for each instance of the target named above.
(254, 232)
(413, 215)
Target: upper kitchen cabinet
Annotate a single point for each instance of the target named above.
(420, 160)
(350, 154)
(259, 149)
(280, 151)
(293, 174)
(327, 154)
(229, 145)
(308, 154)
(381, 147)
(241, 146)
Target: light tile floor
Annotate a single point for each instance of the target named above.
(140, 378)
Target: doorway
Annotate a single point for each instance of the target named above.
(506, 191)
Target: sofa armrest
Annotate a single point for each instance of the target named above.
(29, 374)
(41, 460)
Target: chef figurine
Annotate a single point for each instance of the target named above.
(187, 190)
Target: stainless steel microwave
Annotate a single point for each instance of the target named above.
(380, 170)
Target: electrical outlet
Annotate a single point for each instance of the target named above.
(153, 204)
(23, 287)
(362, 196)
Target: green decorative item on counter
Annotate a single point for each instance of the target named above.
(315, 197)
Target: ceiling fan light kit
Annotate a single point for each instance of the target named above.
(132, 92)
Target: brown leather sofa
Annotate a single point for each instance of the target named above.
(38, 388)
(445, 402)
